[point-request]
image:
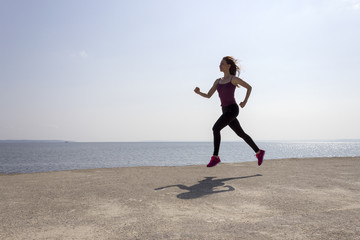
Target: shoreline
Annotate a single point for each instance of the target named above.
(310, 198)
(204, 164)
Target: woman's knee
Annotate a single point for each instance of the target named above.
(216, 128)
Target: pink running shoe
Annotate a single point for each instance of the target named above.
(260, 156)
(214, 160)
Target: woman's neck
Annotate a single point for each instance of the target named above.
(227, 75)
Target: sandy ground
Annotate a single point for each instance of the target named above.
(282, 199)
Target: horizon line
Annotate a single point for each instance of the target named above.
(175, 141)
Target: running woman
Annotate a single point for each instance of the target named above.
(226, 89)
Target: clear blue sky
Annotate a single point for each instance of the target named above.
(126, 70)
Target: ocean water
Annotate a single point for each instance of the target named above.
(57, 156)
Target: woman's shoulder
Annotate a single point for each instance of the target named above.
(235, 80)
(240, 82)
(217, 81)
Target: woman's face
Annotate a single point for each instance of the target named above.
(224, 66)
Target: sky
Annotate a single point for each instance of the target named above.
(109, 71)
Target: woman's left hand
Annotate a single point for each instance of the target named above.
(242, 104)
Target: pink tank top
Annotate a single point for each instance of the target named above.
(226, 93)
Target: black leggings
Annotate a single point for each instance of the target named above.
(229, 118)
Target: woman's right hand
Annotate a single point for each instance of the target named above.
(197, 90)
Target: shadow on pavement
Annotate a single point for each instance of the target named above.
(205, 187)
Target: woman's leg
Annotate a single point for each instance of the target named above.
(235, 126)
(223, 121)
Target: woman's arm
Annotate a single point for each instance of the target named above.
(211, 91)
(238, 81)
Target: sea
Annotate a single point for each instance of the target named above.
(30, 157)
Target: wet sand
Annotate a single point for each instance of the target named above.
(316, 198)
